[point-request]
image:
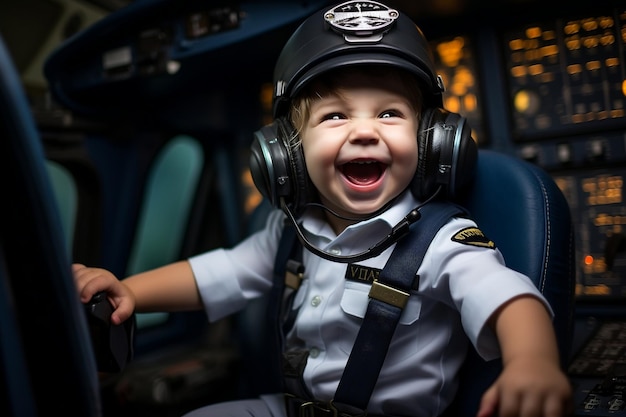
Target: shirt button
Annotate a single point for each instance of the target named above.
(315, 301)
(335, 251)
(314, 352)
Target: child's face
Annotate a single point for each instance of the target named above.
(360, 145)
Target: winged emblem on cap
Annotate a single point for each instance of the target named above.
(361, 20)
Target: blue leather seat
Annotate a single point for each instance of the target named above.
(45, 349)
(518, 206)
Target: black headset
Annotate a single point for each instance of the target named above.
(446, 158)
(447, 153)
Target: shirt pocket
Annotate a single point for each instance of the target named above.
(356, 297)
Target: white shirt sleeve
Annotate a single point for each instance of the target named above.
(474, 279)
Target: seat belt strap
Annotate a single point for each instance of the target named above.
(388, 296)
(288, 275)
(287, 250)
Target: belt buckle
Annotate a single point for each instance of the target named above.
(315, 409)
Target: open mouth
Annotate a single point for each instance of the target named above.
(363, 172)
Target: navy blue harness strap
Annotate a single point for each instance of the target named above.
(287, 249)
(387, 298)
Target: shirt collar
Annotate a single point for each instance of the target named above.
(369, 231)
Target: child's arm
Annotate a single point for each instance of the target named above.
(168, 288)
(532, 382)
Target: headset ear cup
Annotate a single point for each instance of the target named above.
(465, 160)
(423, 184)
(277, 166)
(265, 149)
(447, 154)
(302, 188)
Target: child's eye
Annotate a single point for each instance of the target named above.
(334, 116)
(389, 113)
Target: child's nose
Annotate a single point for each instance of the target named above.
(364, 132)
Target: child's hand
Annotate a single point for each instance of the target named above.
(528, 387)
(90, 281)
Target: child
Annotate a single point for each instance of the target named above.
(355, 103)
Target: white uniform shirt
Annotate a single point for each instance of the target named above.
(460, 287)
